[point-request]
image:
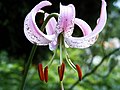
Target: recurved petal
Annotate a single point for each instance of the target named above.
(81, 42)
(51, 25)
(83, 26)
(90, 38)
(50, 30)
(31, 30)
(102, 19)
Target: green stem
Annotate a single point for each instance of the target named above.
(47, 19)
(33, 51)
(61, 85)
(28, 65)
(51, 60)
(61, 49)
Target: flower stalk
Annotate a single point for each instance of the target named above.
(27, 66)
(51, 60)
(47, 19)
(61, 57)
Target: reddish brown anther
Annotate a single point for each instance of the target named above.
(79, 71)
(40, 71)
(46, 74)
(61, 70)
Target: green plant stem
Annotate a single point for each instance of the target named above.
(47, 19)
(61, 85)
(61, 49)
(28, 65)
(51, 60)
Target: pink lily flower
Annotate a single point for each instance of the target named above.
(64, 25)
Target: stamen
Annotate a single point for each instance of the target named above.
(40, 71)
(61, 70)
(46, 74)
(79, 71)
(71, 64)
(51, 60)
(60, 73)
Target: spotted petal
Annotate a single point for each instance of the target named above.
(90, 38)
(50, 30)
(31, 30)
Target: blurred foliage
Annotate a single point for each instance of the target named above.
(100, 63)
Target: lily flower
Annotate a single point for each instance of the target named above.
(65, 25)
